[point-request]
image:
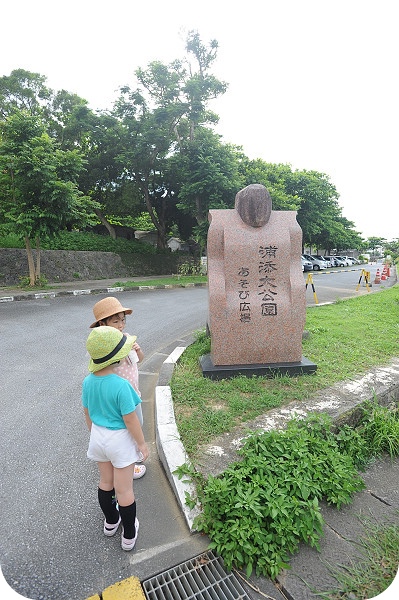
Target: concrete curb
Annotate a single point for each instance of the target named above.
(105, 290)
(169, 446)
(127, 589)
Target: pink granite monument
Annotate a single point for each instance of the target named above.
(257, 294)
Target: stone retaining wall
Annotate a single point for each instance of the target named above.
(66, 265)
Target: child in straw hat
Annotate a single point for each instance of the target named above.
(109, 311)
(116, 437)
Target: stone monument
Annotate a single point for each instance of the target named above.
(257, 294)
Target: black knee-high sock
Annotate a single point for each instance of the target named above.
(107, 503)
(128, 516)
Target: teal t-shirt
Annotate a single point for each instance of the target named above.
(108, 398)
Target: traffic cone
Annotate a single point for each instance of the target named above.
(385, 271)
(377, 277)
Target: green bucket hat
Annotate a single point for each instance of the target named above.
(107, 345)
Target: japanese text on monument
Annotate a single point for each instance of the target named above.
(267, 288)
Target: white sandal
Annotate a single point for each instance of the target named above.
(110, 530)
(128, 544)
(139, 471)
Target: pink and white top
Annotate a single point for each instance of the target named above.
(128, 369)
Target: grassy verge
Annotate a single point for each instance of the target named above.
(345, 340)
(375, 572)
(171, 280)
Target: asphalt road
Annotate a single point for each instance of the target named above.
(331, 284)
(51, 541)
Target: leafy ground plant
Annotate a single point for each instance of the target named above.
(259, 510)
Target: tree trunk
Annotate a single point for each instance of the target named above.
(161, 239)
(200, 217)
(38, 266)
(31, 262)
(161, 236)
(107, 225)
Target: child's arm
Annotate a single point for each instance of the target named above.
(133, 426)
(88, 420)
(139, 351)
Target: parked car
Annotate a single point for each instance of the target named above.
(333, 260)
(342, 262)
(325, 258)
(317, 264)
(351, 260)
(307, 265)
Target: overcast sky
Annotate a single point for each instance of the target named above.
(312, 83)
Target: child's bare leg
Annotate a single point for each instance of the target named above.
(123, 482)
(106, 476)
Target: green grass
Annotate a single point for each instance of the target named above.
(374, 573)
(182, 280)
(345, 340)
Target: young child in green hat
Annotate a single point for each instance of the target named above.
(116, 438)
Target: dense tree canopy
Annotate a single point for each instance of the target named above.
(39, 195)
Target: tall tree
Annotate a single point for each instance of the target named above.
(97, 136)
(208, 176)
(375, 242)
(392, 249)
(70, 121)
(23, 90)
(161, 118)
(279, 179)
(38, 191)
(318, 204)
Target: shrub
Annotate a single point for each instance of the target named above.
(259, 510)
(83, 241)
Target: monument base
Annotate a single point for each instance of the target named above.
(304, 367)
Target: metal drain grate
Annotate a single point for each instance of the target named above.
(203, 578)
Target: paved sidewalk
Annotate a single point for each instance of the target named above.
(72, 288)
(310, 570)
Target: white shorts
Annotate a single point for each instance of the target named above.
(115, 445)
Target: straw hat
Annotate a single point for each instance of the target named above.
(106, 308)
(107, 345)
